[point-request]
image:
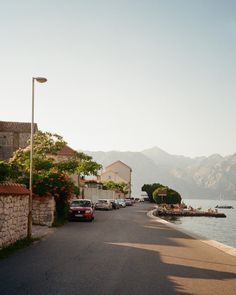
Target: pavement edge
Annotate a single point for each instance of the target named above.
(222, 247)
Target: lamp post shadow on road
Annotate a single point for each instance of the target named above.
(29, 232)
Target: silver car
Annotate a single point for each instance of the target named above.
(121, 202)
(103, 204)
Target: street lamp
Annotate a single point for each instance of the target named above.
(40, 80)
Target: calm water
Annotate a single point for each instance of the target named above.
(222, 230)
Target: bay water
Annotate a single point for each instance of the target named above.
(222, 230)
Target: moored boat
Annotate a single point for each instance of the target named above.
(224, 207)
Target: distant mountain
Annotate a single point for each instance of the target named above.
(202, 177)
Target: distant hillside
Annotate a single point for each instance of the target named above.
(204, 177)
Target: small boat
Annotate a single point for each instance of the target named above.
(224, 207)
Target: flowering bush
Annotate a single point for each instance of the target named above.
(50, 173)
(57, 185)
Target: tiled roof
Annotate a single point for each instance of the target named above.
(92, 181)
(121, 163)
(66, 151)
(11, 188)
(16, 127)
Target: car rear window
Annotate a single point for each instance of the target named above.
(81, 203)
(102, 201)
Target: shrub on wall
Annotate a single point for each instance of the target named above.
(4, 171)
(172, 197)
(57, 185)
(150, 188)
(153, 191)
(51, 174)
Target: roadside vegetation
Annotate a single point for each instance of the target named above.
(51, 174)
(160, 194)
(111, 185)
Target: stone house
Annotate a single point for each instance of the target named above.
(118, 172)
(13, 135)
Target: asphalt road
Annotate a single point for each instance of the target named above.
(121, 252)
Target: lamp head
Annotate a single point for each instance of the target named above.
(41, 79)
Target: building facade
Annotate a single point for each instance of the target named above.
(13, 135)
(118, 172)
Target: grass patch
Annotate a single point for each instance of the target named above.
(21, 244)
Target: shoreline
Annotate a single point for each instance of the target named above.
(220, 246)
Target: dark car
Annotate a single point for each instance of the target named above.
(81, 209)
(128, 202)
(115, 204)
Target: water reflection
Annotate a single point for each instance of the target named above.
(219, 229)
(172, 219)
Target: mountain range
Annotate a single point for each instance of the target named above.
(201, 177)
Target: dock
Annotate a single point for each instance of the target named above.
(189, 213)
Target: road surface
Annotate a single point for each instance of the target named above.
(121, 252)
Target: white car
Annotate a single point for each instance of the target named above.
(121, 202)
(103, 204)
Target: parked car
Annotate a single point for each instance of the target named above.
(81, 209)
(103, 204)
(122, 203)
(128, 202)
(115, 204)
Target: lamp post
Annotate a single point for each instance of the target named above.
(40, 80)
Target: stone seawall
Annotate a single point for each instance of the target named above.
(43, 210)
(14, 209)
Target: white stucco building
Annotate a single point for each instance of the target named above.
(118, 172)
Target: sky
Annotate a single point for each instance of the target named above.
(123, 75)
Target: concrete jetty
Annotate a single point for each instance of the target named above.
(190, 213)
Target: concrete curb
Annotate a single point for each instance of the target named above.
(39, 231)
(222, 247)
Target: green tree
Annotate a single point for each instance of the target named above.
(119, 186)
(57, 185)
(46, 147)
(4, 171)
(86, 166)
(172, 196)
(150, 188)
(50, 175)
(46, 144)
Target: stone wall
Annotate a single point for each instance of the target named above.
(14, 209)
(43, 210)
(6, 145)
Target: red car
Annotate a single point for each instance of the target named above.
(81, 209)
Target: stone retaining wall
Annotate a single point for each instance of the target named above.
(14, 209)
(43, 210)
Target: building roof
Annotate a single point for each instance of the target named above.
(92, 181)
(66, 151)
(23, 127)
(119, 162)
(11, 188)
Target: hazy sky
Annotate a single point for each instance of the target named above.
(123, 75)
